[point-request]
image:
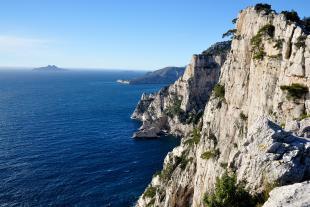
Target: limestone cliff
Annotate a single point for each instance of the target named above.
(255, 121)
(176, 108)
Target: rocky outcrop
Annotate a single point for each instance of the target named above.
(289, 196)
(255, 123)
(175, 108)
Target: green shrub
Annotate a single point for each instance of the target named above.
(229, 33)
(259, 55)
(279, 44)
(219, 91)
(301, 41)
(268, 30)
(224, 165)
(257, 41)
(193, 117)
(210, 154)
(234, 20)
(175, 108)
(167, 172)
(295, 90)
(182, 161)
(243, 116)
(228, 193)
(291, 16)
(263, 7)
(195, 137)
(150, 192)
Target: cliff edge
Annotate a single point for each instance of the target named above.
(243, 115)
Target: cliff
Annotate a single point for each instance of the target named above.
(243, 112)
(176, 108)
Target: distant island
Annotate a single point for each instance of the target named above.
(49, 68)
(165, 75)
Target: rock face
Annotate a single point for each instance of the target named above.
(175, 108)
(255, 123)
(291, 195)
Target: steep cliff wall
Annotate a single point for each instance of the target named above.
(176, 108)
(256, 122)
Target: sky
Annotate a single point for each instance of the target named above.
(120, 34)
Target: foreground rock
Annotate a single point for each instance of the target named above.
(296, 195)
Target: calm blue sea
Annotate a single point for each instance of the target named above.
(65, 140)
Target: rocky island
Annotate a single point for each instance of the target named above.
(49, 68)
(242, 110)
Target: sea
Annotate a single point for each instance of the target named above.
(66, 139)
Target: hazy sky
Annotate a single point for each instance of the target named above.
(124, 34)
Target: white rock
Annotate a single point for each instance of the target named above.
(296, 195)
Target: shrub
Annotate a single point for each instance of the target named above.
(268, 29)
(295, 90)
(195, 137)
(306, 23)
(219, 91)
(279, 44)
(263, 7)
(175, 108)
(229, 33)
(243, 116)
(193, 117)
(183, 160)
(259, 55)
(228, 193)
(210, 154)
(150, 192)
(301, 41)
(167, 172)
(257, 40)
(234, 20)
(291, 16)
(224, 164)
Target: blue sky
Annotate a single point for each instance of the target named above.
(122, 34)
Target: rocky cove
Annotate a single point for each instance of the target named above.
(242, 110)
